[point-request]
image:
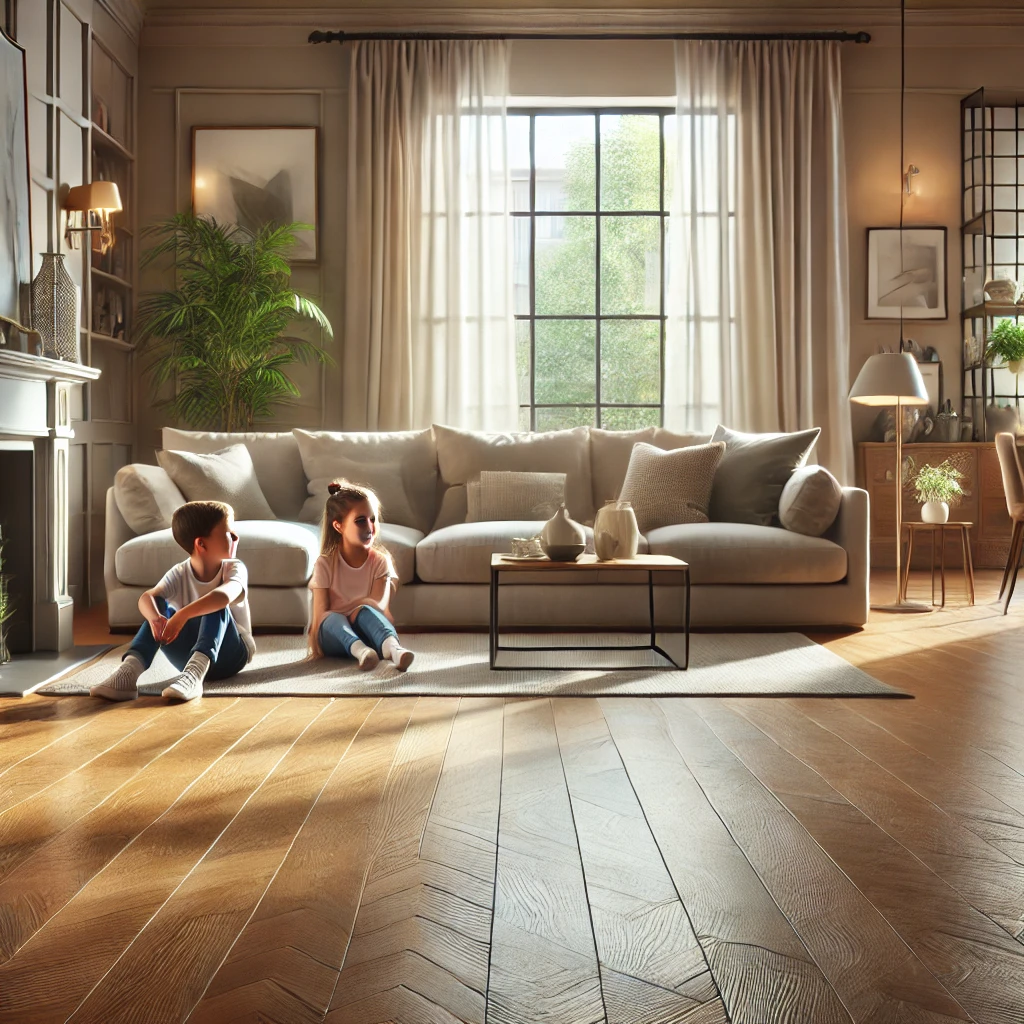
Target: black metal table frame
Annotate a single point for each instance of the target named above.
(496, 647)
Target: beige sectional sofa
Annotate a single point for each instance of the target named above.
(742, 575)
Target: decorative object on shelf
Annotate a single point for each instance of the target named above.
(1001, 418)
(1002, 290)
(937, 487)
(225, 325)
(907, 274)
(527, 547)
(55, 309)
(1006, 343)
(15, 216)
(6, 607)
(562, 538)
(84, 204)
(892, 378)
(100, 114)
(278, 184)
(615, 531)
(32, 344)
(947, 424)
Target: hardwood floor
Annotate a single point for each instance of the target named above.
(625, 860)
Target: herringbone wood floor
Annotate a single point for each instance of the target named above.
(567, 860)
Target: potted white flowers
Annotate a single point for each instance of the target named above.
(936, 488)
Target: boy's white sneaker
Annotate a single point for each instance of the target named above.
(366, 656)
(189, 684)
(397, 654)
(123, 684)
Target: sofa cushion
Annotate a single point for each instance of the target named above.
(753, 471)
(463, 454)
(371, 459)
(810, 501)
(670, 487)
(401, 542)
(227, 476)
(275, 457)
(610, 451)
(276, 553)
(507, 495)
(385, 479)
(742, 553)
(146, 497)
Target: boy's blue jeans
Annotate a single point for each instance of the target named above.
(214, 634)
(337, 634)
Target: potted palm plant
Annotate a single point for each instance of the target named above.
(1006, 343)
(937, 487)
(221, 336)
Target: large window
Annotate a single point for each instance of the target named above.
(589, 208)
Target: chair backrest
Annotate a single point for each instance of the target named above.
(1013, 475)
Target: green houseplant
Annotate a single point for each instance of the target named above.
(1006, 343)
(6, 607)
(220, 336)
(937, 487)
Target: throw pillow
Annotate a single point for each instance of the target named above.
(227, 475)
(810, 501)
(667, 488)
(753, 471)
(502, 497)
(383, 478)
(146, 497)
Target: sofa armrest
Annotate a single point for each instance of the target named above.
(851, 532)
(116, 532)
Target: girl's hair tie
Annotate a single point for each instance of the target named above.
(333, 488)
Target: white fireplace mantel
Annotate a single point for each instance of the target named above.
(35, 415)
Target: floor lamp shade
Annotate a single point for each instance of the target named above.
(889, 378)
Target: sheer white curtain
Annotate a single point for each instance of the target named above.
(429, 332)
(758, 289)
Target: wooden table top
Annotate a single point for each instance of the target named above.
(915, 525)
(587, 561)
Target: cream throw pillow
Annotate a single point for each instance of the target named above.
(502, 497)
(146, 497)
(667, 488)
(810, 501)
(227, 476)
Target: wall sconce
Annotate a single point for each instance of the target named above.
(84, 203)
(908, 179)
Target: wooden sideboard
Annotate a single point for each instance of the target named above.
(983, 503)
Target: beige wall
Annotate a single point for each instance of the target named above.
(191, 76)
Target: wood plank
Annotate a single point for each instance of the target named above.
(543, 958)
(646, 947)
(28, 725)
(58, 966)
(874, 972)
(285, 963)
(214, 902)
(981, 965)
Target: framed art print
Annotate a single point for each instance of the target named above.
(15, 214)
(907, 274)
(252, 176)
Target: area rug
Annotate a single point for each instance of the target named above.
(456, 664)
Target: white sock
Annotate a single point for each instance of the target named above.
(366, 656)
(189, 684)
(123, 683)
(399, 656)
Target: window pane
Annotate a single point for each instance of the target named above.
(561, 419)
(630, 265)
(630, 154)
(631, 361)
(524, 419)
(630, 419)
(564, 152)
(565, 367)
(521, 265)
(523, 367)
(566, 258)
(519, 160)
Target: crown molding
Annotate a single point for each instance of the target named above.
(128, 14)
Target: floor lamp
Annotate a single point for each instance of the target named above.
(892, 378)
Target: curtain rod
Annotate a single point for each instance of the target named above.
(319, 36)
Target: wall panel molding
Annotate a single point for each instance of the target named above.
(127, 14)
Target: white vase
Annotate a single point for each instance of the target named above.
(1014, 365)
(616, 534)
(563, 539)
(934, 512)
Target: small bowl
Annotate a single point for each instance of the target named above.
(564, 552)
(1001, 290)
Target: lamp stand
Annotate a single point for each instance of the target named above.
(900, 604)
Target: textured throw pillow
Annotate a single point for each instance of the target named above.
(227, 475)
(146, 497)
(667, 488)
(810, 501)
(753, 471)
(383, 478)
(502, 497)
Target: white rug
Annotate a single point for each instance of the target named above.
(456, 664)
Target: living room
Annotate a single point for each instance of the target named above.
(662, 700)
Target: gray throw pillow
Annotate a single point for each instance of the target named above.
(667, 488)
(753, 471)
(146, 497)
(227, 476)
(810, 501)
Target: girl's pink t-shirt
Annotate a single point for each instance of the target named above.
(344, 583)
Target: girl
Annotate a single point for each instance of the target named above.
(351, 583)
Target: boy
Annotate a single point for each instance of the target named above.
(199, 611)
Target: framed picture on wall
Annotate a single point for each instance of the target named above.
(907, 274)
(15, 214)
(251, 176)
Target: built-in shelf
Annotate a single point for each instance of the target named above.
(110, 278)
(103, 139)
(995, 309)
(127, 346)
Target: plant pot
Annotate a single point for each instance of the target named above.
(616, 534)
(1014, 365)
(934, 512)
(562, 539)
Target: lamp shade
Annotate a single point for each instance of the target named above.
(887, 377)
(97, 195)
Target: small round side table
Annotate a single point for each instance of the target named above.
(940, 531)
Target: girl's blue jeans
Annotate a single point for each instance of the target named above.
(214, 635)
(337, 634)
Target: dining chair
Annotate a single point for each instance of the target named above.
(1013, 490)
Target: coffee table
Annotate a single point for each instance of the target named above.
(589, 564)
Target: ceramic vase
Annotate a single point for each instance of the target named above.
(1014, 365)
(616, 534)
(55, 309)
(563, 539)
(934, 512)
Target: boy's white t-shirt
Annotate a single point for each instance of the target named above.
(179, 587)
